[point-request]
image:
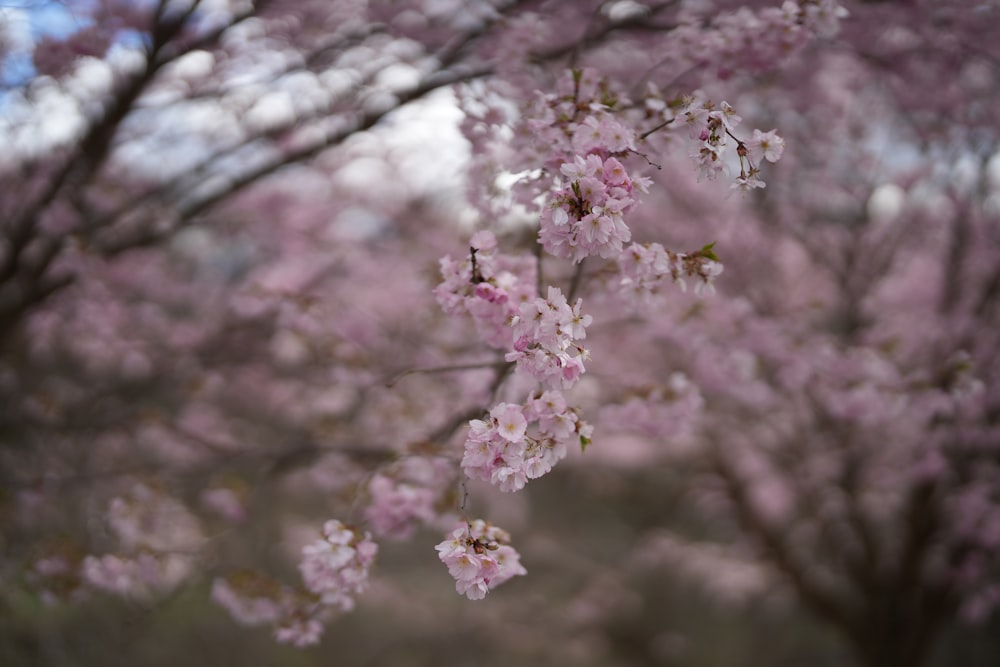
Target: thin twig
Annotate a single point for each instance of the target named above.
(656, 129)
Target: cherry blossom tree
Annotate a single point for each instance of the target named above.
(858, 457)
(288, 285)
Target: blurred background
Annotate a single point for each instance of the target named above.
(220, 231)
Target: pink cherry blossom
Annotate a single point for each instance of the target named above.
(336, 567)
(479, 557)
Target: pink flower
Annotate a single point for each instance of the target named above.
(396, 508)
(510, 422)
(765, 145)
(336, 567)
(247, 600)
(490, 291)
(548, 426)
(585, 217)
(479, 558)
(645, 268)
(748, 184)
(546, 332)
(299, 632)
(614, 172)
(483, 241)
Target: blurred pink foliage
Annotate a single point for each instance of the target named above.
(244, 291)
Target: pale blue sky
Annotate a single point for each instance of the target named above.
(31, 20)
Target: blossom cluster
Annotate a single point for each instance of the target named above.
(147, 519)
(138, 577)
(396, 507)
(667, 412)
(711, 128)
(404, 495)
(546, 339)
(253, 599)
(645, 267)
(586, 216)
(336, 567)
(157, 536)
(249, 597)
(517, 443)
(487, 285)
(479, 557)
(576, 119)
(580, 116)
(749, 39)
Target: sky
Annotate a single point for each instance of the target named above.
(33, 122)
(23, 22)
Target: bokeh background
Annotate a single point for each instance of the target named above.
(220, 227)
